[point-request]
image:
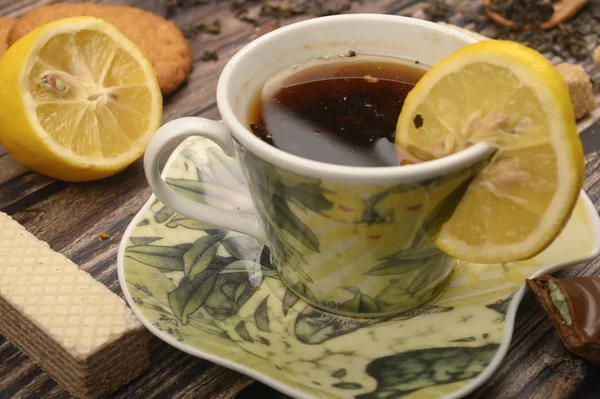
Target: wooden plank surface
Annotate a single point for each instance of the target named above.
(68, 215)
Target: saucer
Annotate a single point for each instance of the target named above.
(237, 313)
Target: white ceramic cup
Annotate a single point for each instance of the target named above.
(357, 281)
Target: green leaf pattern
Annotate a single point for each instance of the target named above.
(163, 214)
(240, 328)
(200, 255)
(261, 316)
(243, 247)
(401, 374)
(143, 240)
(190, 295)
(161, 257)
(219, 292)
(188, 223)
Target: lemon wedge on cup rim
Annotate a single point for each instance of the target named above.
(510, 96)
(78, 100)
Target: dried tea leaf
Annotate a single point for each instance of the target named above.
(209, 56)
(213, 28)
(524, 12)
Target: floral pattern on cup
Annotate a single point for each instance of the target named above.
(356, 250)
(216, 293)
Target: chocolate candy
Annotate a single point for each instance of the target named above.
(573, 305)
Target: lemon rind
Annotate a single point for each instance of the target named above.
(44, 34)
(554, 96)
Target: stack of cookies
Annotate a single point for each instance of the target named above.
(161, 41)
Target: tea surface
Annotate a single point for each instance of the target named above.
(341, 111)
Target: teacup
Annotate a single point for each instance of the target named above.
(356, 241)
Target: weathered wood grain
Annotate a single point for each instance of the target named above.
(68, 216)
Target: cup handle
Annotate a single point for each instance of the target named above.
(218, 133)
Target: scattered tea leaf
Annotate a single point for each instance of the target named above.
(209, 55)
(213, 28)
(566, 40)
(280, 10)
(523, 12)
(437, 10)
(250, 20)
(319, 9)
(171, 6)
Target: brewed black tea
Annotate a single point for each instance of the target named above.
(341, 111)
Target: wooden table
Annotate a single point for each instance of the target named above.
(67, 216)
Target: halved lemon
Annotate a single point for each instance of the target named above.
(511, 97)
(78, 100)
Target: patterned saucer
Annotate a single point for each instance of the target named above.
(237, 313)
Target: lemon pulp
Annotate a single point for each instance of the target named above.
(510, 96)
(79, 100)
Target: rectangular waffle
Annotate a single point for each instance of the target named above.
(82, 334)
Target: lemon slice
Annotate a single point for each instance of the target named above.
(510, 96)
(78, 100)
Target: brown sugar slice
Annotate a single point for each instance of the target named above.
(580, 88)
